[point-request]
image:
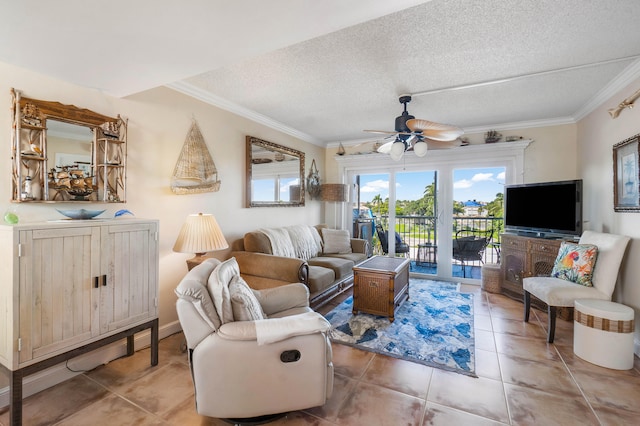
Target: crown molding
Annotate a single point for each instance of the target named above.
(558, 121)
(622, 80)
(217, 101)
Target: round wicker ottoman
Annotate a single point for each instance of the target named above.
(491, 278)
(603, 333)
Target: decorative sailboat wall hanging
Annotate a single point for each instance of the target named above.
(195, 171)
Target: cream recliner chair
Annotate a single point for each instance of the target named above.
(247, 369)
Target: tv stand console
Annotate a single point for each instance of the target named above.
(524, 256)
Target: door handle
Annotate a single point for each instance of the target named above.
(96, 283)
(104, 280)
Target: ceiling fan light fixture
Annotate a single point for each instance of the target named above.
(420, 148)
(417, 134)
(397, 150)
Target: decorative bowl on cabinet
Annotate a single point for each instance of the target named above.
(81, 214)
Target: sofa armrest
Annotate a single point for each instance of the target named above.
(279, 268)
(359, 245)
(278, 299)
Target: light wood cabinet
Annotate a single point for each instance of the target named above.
(72, 286)
(523, 257)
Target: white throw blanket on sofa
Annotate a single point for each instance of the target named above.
(280, 240)
(293, 241)
(304, 243)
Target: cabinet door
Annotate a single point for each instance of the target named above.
(543, 256)
(58, 300)
(130, 268)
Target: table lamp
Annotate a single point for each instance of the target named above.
(199, 234)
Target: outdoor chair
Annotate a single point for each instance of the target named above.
(401, 246)
(469, 246)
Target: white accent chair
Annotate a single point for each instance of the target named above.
(557, 292)
(241, 374)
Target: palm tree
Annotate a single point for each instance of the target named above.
(377, 201)
(429, 198)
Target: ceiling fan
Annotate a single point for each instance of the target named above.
(413, 134)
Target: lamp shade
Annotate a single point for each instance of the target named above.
(334, 192)
(200, 234)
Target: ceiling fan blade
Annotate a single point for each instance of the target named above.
(436, 144)
(435, 131)
(383, 132)
(388, 132)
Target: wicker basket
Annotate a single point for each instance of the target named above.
(491, 280)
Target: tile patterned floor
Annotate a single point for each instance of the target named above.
(522, 381)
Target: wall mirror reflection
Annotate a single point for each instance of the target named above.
(274, 174)
(64, 153)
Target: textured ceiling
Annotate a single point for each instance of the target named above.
(324, 71)
(332, 87)
(123, 46)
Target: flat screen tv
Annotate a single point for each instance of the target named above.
(547, 209)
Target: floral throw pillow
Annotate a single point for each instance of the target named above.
(575, 263)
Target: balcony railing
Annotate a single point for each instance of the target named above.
(419, 232)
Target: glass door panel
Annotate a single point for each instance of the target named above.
(371, 209)
(476, 220)
(416, 218)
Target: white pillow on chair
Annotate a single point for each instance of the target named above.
(244, 303)
(218, 285)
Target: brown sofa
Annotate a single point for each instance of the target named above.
(319, 257)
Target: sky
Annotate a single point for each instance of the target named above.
(481, 184)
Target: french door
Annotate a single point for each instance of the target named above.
(426, 201)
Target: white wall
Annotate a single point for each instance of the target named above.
(159, 120)
(597, 133)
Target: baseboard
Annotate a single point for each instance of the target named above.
(59, 373)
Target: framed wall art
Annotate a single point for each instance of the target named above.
(626, 175)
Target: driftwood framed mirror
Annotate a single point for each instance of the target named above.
(63, 153)
(275, 175)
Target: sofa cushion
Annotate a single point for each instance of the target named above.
(257, 242)
(341, 267)
(336, 240)
(320, 278)
(218, 286)
(356, 258)
(244, 303)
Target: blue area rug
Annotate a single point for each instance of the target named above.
(434, 327)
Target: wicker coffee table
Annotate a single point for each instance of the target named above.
(380, 284)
